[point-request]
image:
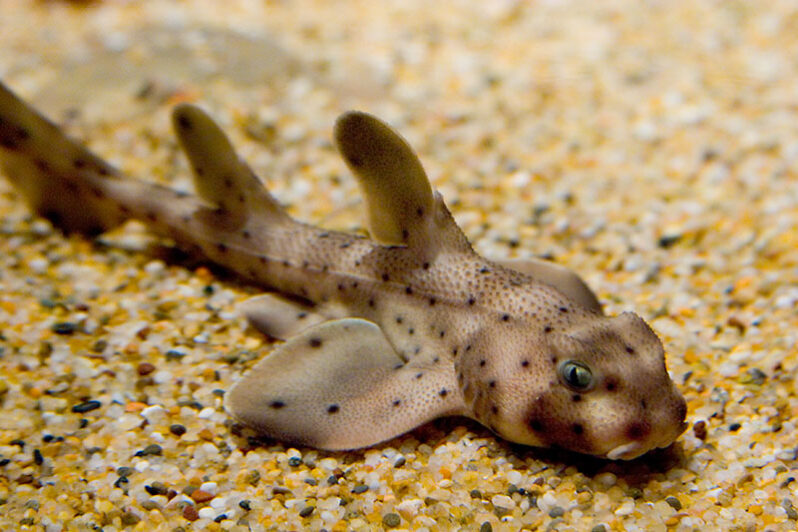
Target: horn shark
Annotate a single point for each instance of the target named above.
(383, 333)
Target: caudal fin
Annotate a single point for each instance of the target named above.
(59, 178)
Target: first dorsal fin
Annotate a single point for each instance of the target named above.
(398, 195)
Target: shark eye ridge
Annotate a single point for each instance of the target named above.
(576, 375)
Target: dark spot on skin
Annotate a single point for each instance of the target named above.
(371, 303)
(305, 264)
(303, 291)
(564, 310)
(385, 277)
(241, 198)
(357, 263)
(97, 193)
(432, 301)
(417, 350)
(525, 363)
(405, 234)
(535, 425)
(577, 429)
(221, 247)
(186, 218)
(355, 284)
(341, 287)
(576, 398)
(325, 267)
(408, 290)
(454, 353)
(471, 300)
(71, 187)
(397, 402)
(484, 269)
(411, 331)
(420, 211)
(494, 409)
(228, 183)
(482, 363)
(354, 160)
(637, 430)
(151, 216)
(442, 334)
(344, 245)
(277, 404)
(262, 259)
(184, 122)
(436, 360)
(630, 350)
(399, 319)
(611, 384)
(643, 404)
(103, 171)
(553, 359)
(547, 329)
(425, 266)
(443, 392)
(468, 347)
(398, 366)
(314, 342)
(324, 235)
(42, 165)
(332, 409)
(492, 384)
(286, 263)
(246, 234)
(505, 317)
(301, 315)
(419, 375)
(79, 164)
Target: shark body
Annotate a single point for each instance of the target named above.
(398, 329)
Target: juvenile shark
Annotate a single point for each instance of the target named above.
(393, 330)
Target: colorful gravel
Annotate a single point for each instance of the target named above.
(651, 146)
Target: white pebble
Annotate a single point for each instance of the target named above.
(207, 513)
(206, 412)
(409, 508)
(502, 501)
(209, 487)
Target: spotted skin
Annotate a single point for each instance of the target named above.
(392, 330)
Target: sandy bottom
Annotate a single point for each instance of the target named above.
(652, 147)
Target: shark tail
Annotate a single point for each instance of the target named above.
(59, 178)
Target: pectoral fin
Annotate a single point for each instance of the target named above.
(560, 277)
(340, 385)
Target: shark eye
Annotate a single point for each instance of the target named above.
(576, 375)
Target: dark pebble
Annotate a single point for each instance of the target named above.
(391, 520)
(157, 488)
(599, 528)
(486, 527)
(64, 327)
(174, 354)
(666, 241)
(145, 368)
(47, 438)
(4, 462)
(400, 462)
(86, 406)
(734, 427)
(700, 430)
(125, 471)
(294, 461)
(556, 511)
(360, 488)
(245, 505)
(19, 443)
(121, 482)
(306, 511)
(220, 518)
(151, 450)
(311, 482)
(177, 429)
(674, 503)
(281, 490)
(38, 459)
(475, 494)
